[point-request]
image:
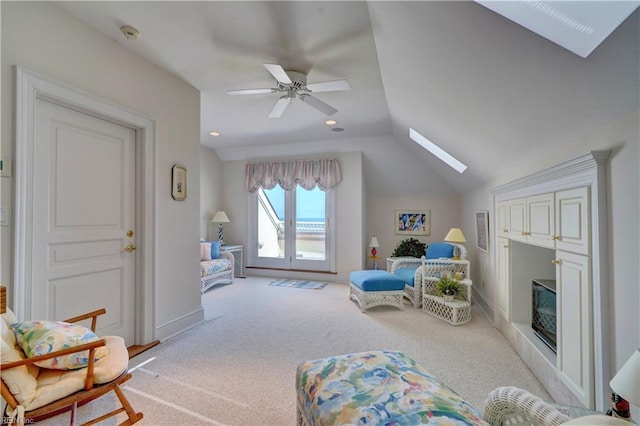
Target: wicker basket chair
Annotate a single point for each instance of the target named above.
(513, 406)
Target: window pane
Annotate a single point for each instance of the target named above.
(310, 224)
(271, 227)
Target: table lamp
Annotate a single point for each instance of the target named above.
(220, 217)
(374, 252)
(626, 387)
(455, 236)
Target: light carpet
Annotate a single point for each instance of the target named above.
(310, 285)
(238, 367)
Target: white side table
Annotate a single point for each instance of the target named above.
(237, 250)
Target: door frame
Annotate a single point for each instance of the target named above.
(30, 87)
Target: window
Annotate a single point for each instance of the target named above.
(291, 229)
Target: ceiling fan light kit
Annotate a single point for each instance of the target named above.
(294, 85)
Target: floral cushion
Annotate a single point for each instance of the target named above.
(377, 388)
(213, 266)
(43, 337)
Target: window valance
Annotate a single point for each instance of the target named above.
(324, 173)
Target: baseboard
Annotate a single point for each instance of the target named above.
(180, 324)
(485, 306)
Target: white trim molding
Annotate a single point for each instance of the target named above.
(30, 87)
(588, 170)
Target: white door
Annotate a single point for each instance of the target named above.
(575, 345)
(504, 278)
(291, 230)
(572, 220)
(541, 220)
(83, 219)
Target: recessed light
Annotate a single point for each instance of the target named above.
(214, 133)
(337, 129)
(330, 122)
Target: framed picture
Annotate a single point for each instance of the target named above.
(178, 182)
(482, 230)
(412, 222)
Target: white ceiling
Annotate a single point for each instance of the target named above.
(479, 85)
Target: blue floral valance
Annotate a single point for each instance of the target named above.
(308, 174)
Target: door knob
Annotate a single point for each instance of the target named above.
(130, 248)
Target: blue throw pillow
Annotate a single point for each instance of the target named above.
(215, 249)
(438, 250)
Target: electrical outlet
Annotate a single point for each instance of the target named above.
(5, 167)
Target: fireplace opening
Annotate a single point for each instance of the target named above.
(544, 313)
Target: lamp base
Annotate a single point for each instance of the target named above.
(619, 407)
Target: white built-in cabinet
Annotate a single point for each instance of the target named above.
(557, 220)
(562, 209)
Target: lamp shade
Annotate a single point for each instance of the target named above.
(374, 242)
(455, 235)
(626, 382)
(220, 217)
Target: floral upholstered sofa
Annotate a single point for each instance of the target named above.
(216, 266)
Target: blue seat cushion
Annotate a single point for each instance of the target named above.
(438, 250)
(407, 275)
(376, 280)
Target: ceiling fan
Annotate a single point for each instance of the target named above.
(292, 85)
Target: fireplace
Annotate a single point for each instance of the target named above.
(544, 313)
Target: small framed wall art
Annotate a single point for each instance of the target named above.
(412, 222)
(482, 230)
(178, 182)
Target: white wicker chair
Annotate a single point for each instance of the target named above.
(424, 268)
(513, 406)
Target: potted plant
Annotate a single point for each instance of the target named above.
(409, 247)
(448, 288)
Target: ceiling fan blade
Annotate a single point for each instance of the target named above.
(318, 104)
(248, 91)
(278, 72)
(279, 107)
(329, 86)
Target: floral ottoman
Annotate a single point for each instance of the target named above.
(376, 388)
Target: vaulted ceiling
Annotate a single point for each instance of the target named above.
(484, 88)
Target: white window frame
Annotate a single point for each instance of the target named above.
(290, 263)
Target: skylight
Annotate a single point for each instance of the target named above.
(437, 151)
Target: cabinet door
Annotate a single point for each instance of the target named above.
(504, 278)
(503, 219)
(518, 219)
(541, 220)
(572, 220)
(575, 361)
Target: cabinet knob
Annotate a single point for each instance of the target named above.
(130, 248)
(555, 261)
(555, 237)
(505, 230)
(523, 233)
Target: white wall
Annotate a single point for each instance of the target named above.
(349, 209)
(43, 39)
(445, 214)
(210, 192)
(623, 201)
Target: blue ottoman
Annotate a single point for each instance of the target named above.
(374, 288)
